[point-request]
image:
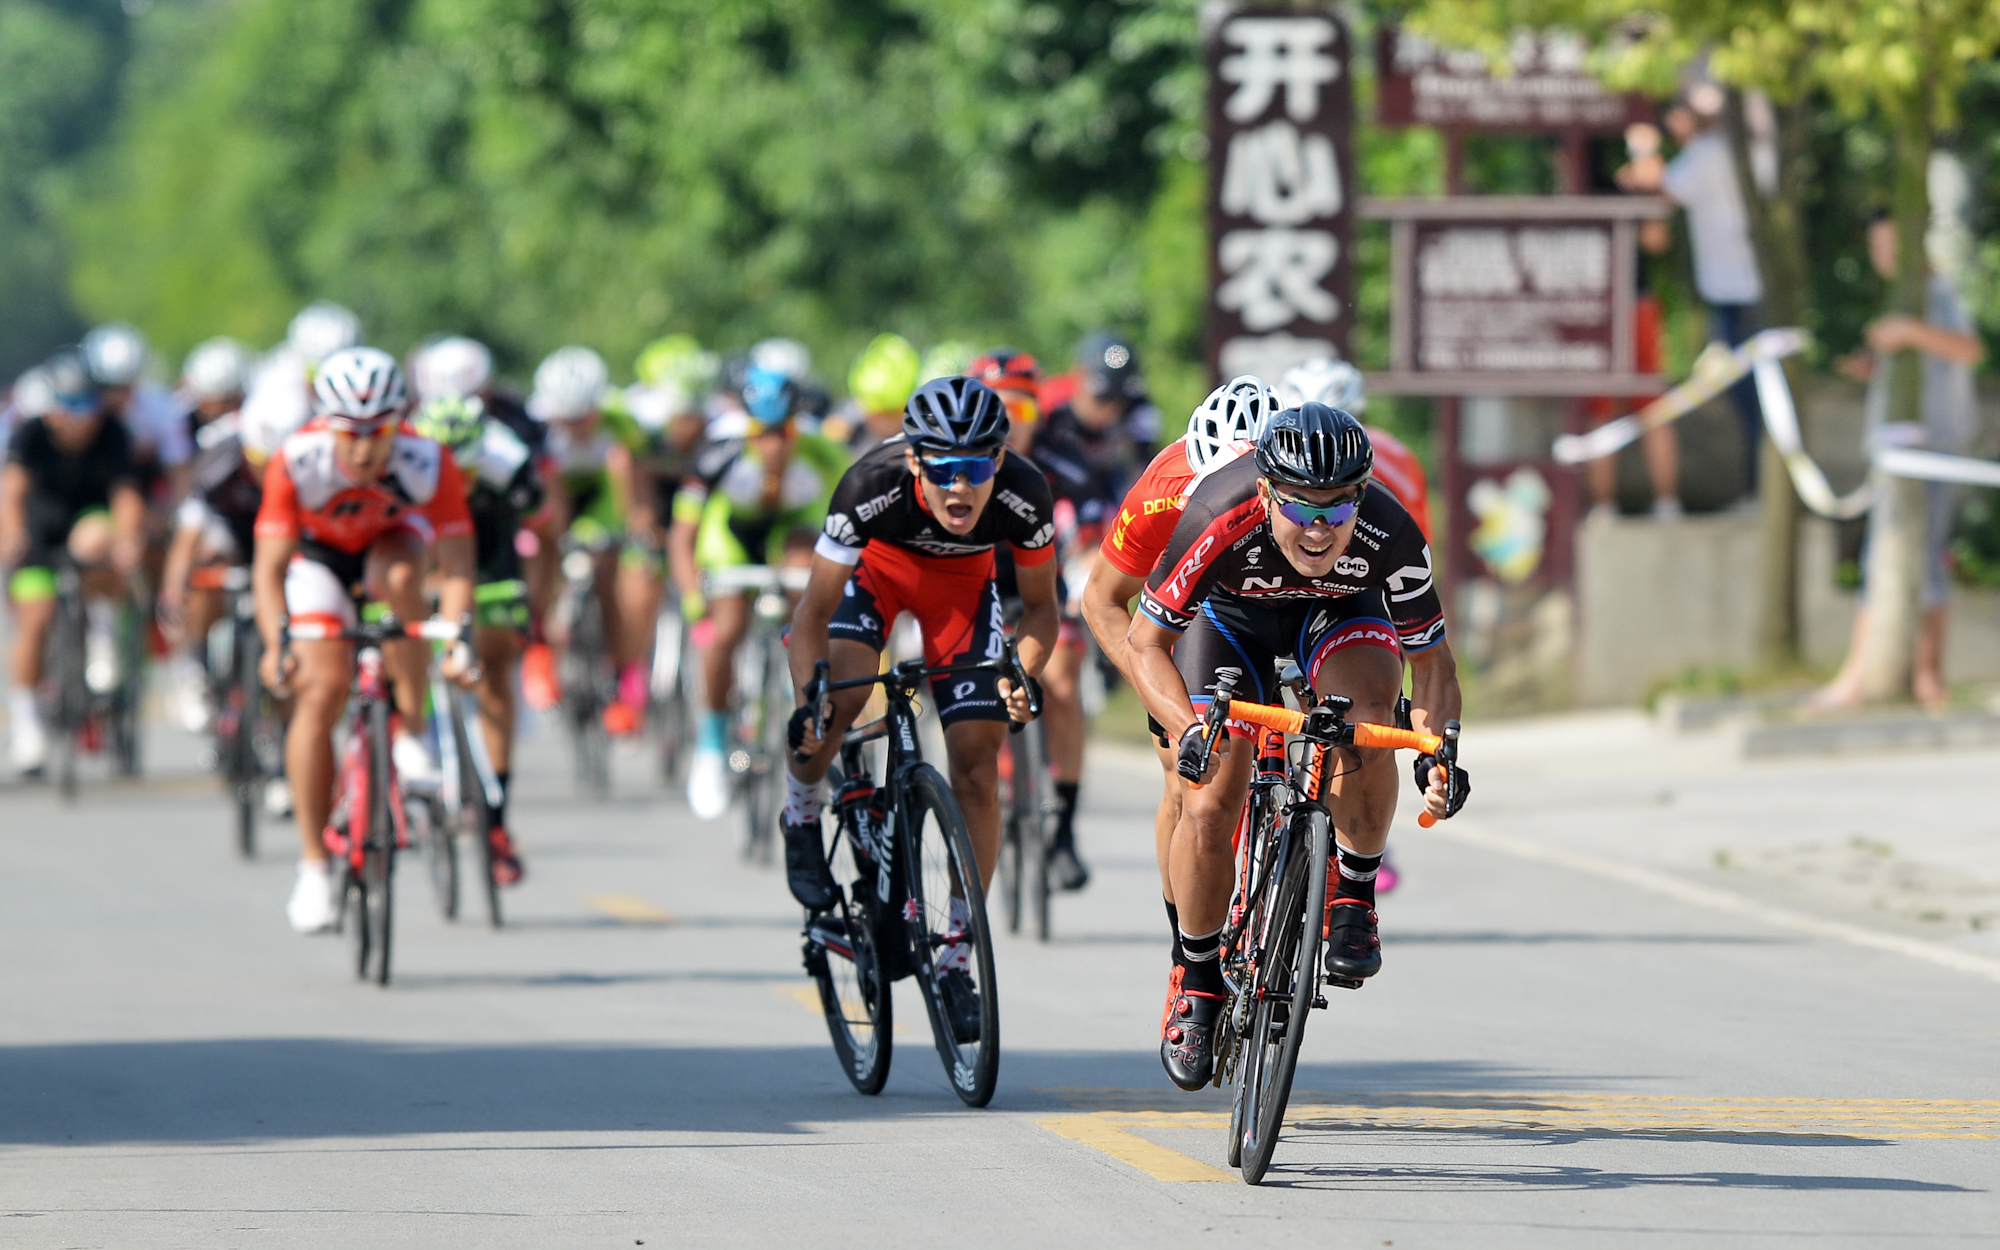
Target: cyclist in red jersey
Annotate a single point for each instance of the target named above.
(351, 501)
(1218, 432)
(912, 527)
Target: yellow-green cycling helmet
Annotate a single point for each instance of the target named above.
(885, 374)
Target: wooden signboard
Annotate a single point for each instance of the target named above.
(1546, 89)
(1281, 190)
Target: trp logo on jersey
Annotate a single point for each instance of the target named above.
(1177, 585)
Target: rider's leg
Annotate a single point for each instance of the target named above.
(1364, 798)
(34, 595)
(1062, 712)
(639, 587)
(972, 750)
(1202, 858)
(708, 785)
(499, 649)
(395, 573)
(319, 689)
(607, 599)
(729, 618)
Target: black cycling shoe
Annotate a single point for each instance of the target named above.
(961, 1005)
(1187, 1034)
(1070, 871)
(805, 865)
(1353, 952)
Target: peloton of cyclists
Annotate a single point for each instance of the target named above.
(1288, 553)
(70, 489)
(756, 499)
(912, 527)
(354, 500)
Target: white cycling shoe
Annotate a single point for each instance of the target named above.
(28, 746)
(414, 764)
(708, 785)
(277, 798)
(313, 908)
(191, 705)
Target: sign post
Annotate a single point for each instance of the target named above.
(1280, 193)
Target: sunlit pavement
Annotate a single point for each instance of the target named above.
(1597, 1027)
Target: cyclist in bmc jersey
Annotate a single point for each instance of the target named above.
(351, 502)
(69, 491)
(760, 499)
(1288, 553)
(912, 527)
(1217, 432)
(503, 484)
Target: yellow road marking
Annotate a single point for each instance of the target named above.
(1102, 1132)
(629, 908)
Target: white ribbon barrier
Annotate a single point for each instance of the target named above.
(1717, 369)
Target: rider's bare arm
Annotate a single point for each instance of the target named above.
(267, 584)
(1040, 616)
(810, 619)
(1107, 597)
(457, 567)
(1434, 692)
(128, 527)
(13, 513)
(1154, 676)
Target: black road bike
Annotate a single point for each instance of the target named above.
(1278, 918)
(92, 701)
(763, 696)
(1027, 830)
(249, 736)
(588, 677)
(901, 857)
(461, 814)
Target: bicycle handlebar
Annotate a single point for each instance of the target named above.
(910, 672)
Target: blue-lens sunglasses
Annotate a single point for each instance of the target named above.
(1306, 515)
(945, 470)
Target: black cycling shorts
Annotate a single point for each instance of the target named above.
(1232, 635)
(955, 603)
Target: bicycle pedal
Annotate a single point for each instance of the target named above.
(1345, 983)
(1319, 1002)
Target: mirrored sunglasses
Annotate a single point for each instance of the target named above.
(1306, 515)
(943, 471)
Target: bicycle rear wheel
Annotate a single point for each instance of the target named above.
(475, 815)
(1011, 838)
(953, 953)
(244, 702)
(378, 854)
(131, 685)
(842, 955)
(1288, 981)
(585, 696)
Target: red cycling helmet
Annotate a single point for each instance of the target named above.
(1005, 369)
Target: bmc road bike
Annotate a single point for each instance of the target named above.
(903, 865)
(1278, 917)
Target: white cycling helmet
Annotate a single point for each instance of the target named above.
(321, 329)
(568, 385)
(217, 369)
(1233, 412)
(452, 368)
(34, 394)
(1327, 380)
(787, 356)
(360, 388)
(115, 354)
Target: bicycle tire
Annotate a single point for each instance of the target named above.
(584, 693)
(1040, 815)
(854, 992)
(72, 697)
(475, 816)
(1010, 842)
(242, 748)
(1291, 976)
(378, 851)
(428, 819)
(938, 865)
(126, 698)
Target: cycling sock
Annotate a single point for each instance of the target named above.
(802, 802)
(1201, 956)
(500, 808)
(1357, 875)
(1174, 927)
(714, 732)
(1066, 815)
(22, 708)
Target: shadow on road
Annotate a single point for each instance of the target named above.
(1474, 1178)
(1396, 937)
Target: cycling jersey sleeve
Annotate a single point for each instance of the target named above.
(278, 515)
(1030, 508)
(1143, 526)
(859, 501)
(1216, 517)
(447, 511)
(1389, 538)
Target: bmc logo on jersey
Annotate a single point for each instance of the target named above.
(869, 509)
(840, 529)
(1017, 505)
(1351, 566)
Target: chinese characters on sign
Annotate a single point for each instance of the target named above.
(1280, 203)
(1547, 86)
(1513, 297)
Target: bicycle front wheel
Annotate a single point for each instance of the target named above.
(844, 958)
(244, 703)
(1287, 979)
(378, 853)
(950, 942)
(475, 816)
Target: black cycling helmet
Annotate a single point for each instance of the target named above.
(955, 414)
(1110, 367)
(1316, 447)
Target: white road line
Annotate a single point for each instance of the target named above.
(1721, 900)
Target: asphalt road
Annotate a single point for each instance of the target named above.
(1594, 1029)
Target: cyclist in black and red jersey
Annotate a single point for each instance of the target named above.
(1288, 553)
(912, 527)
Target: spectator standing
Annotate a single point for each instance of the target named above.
(1702, 180)
(1950, 350)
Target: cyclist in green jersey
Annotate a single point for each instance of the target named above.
(594, 446)
(758, 499)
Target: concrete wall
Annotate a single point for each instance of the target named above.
(1654, 599)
